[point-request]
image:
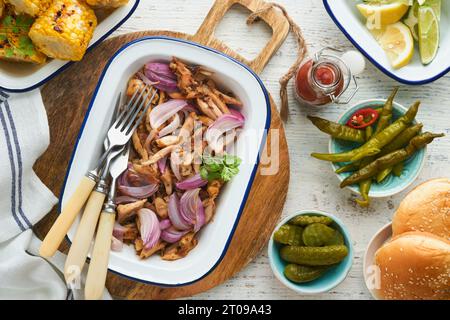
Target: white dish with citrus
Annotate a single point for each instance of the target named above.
(409, 40)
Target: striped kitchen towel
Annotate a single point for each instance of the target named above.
(24, 200)
(24, 136)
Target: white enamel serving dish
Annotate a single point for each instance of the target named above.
(347, 17)
(216, 236)
(20, 77)
(369, 268)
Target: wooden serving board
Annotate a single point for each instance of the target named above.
(67, 97)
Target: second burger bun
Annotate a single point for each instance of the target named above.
(426, 208)
(414, 266)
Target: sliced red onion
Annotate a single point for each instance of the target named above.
(161, 73)
(165, 111)
(118, 230)
(193, 182)
(171, 127)
(149, 227)
(191, 208)
(225, 123)
(237, 113)
(145, 79)
(116, 244)
(175, 216)
(138, 192)
(165, 224)
(125, 199)
(172, 235)
(175, 161)
(162, 165)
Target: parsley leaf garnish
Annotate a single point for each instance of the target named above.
(220, 167)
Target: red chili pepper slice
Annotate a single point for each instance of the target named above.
(363, 118)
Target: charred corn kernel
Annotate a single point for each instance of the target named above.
(15, 45)
(30, 7)
(64, 30)
(106, 3)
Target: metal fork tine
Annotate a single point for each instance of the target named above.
(129, 122)
(124, 111)
(132, 109)
(144, 112)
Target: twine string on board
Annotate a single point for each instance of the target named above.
(301, 53)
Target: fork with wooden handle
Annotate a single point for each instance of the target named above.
(85, 232)
(118, 135)
(98, 267)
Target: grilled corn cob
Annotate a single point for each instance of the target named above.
(15, 45)
(106, 3)
(64, 30)
(2, 7)
(30, 7)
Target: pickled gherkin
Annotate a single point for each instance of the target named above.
(314, 256)
(300, 274)
(303, 220)
(318, 235)
(288, 234)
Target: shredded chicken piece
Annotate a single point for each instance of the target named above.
(213, 188)
(187, 128)
(186, 82)
(181, 248)
(168, 141)
(210, 208)
(149, 172)
(146, 253)
(227, 99)
(166, 178)
(161, 208)
(131, 232)
(159, 155)
(222, 106)
(126, 211)
(213, 107)
(206, 120)
(137, 144)
(186, 170)
(204, 107)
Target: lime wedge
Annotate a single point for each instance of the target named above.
(428, 34)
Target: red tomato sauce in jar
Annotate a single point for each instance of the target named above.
(315, 82)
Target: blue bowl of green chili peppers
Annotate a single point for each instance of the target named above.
(394, 182)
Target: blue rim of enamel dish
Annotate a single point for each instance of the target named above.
(252, 176)
(374, 61)
(69, 63)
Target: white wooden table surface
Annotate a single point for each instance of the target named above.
(312, 185)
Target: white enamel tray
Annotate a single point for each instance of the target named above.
(347, 17)
(216, 236)
(18, 77)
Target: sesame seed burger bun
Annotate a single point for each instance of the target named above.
(426, 208)
(414, 266)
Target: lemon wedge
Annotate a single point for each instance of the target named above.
(397, 41)
(382, 14)
(428, 34)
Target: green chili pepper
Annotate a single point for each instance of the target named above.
(385, 116)
(391, 159)
(402, 139)
(378, 141)
(348, 168)
(369, 133)
(398, 169)
(337, 130)
(383, 174)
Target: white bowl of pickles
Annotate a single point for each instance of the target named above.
(310, 252)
